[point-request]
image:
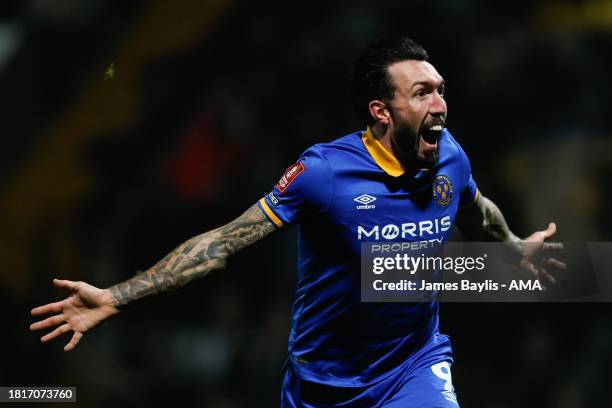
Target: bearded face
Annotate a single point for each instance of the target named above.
(417, 113)
(419, 147)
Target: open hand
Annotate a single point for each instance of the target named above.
(84, 309)
(539, 256)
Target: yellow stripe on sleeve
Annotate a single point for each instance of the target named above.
(476, 196)
(473, 201)
(277, 221)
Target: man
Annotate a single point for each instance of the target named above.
(402, 179)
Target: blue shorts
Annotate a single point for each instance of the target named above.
(424, 381)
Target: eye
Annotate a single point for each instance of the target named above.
(442, 91)
(420, 93)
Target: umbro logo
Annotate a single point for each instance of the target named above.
(365, 200)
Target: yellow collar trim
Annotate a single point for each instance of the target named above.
(382, 156)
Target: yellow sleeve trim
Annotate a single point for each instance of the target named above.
(476, 197)
(473, 201)
(277, 221)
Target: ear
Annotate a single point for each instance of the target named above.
(379, 111)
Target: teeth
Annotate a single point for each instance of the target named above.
(437, 128)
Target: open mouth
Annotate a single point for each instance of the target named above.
(431, 135)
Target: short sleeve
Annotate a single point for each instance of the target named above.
(304, 188)
(469, 195)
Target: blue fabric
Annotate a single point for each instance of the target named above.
(424, 381)
(339, 196)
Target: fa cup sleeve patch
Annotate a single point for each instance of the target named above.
(290, 174)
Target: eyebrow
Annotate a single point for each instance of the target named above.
(443, 83)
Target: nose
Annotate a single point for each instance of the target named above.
(438, 105)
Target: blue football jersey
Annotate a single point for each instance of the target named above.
(340, 194)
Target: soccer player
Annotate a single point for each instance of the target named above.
(402, 179)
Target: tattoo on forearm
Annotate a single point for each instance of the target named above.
(494, 224)
(196, 258)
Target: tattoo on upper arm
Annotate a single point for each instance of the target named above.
(196, 258)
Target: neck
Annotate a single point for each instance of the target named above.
(383, 134)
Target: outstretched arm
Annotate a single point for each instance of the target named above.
(200, 256)
(484, 221)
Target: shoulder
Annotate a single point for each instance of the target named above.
(335, 152)
(350, 143)
(450, 149)
(314, 172)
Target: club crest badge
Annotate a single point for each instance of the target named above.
(442, 190)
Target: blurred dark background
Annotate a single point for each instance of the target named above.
(129, 126)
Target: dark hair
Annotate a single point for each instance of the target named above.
(369, 75)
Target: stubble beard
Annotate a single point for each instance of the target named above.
(405, 142)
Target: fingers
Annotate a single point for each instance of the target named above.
(76, 337)
(542, 235)
(57, 306)
(49, 322)
(551, 264)
(553, 248)
(529, 267)
(550, 231)
(66, 284)
(546, 277)
(541, 274)
(555, 264)
(48, 308)
(64, 328)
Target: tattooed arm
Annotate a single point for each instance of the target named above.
(484, 221)
(196, 258)
(201, 256)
